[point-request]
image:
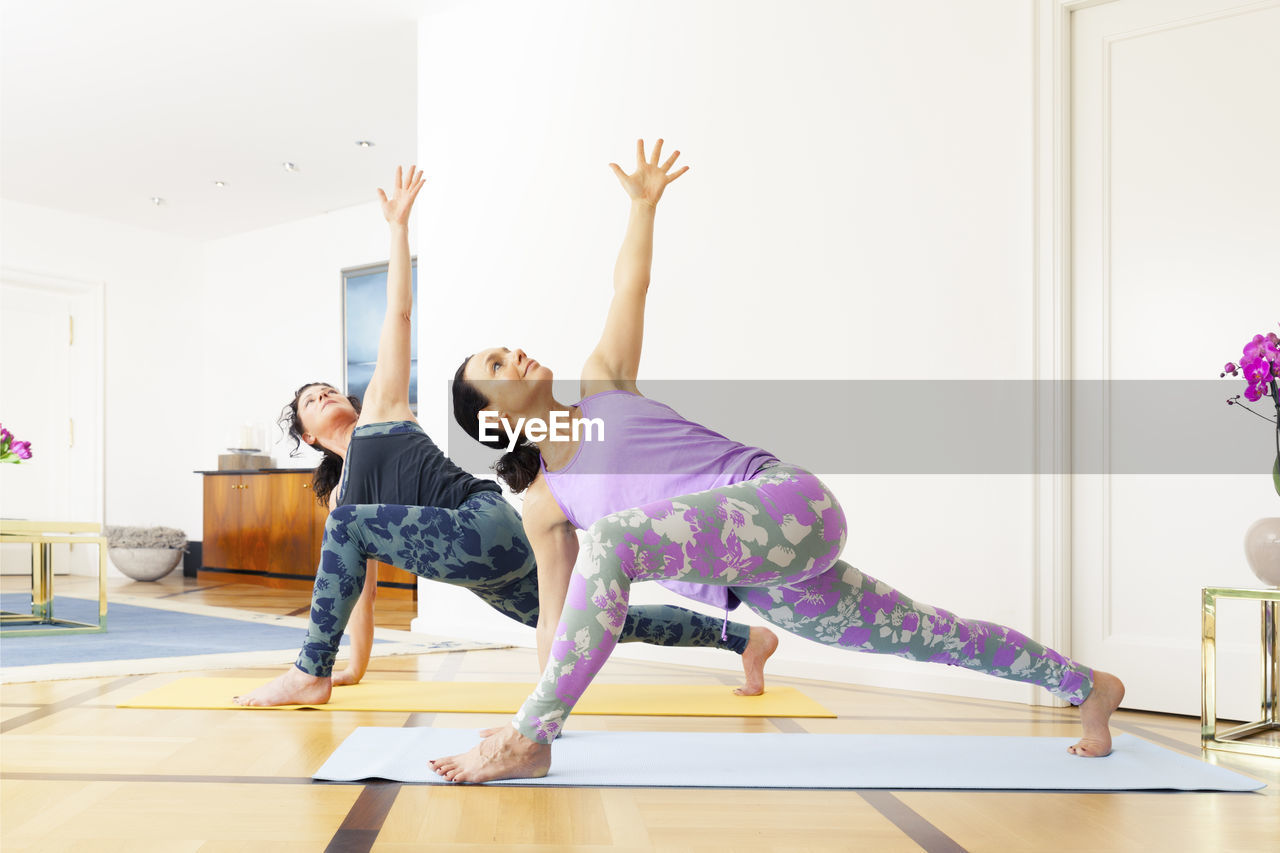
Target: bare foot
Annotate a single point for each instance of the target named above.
(504, 755)
(1095, 712)
(761, 644)
(293, 687)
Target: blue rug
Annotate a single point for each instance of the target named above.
(135, 632)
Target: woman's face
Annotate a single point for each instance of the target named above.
(508, 378)
(321, 409)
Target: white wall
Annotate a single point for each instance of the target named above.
(858, 206)
(200, 337)
(860, 196)
(150, 285)
(271, 307)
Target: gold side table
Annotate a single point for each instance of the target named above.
(1232, 740)
(42, 536)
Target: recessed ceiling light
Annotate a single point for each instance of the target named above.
(156, 200)
(290, 167)
(220, 184)
(364, 143)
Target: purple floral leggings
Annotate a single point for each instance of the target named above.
(775, 539)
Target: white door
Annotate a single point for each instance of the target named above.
(1175, 265)
(35, 376)
(51, 377)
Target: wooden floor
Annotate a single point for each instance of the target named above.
(77, 773)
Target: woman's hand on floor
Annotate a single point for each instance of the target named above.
(345, 677)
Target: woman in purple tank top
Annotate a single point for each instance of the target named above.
(662, 498)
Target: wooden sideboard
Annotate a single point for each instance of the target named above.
(266, 527)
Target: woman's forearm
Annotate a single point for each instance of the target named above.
(635, 258)
(360, 628)
(399, 274)
(546, 634)
(550, 607)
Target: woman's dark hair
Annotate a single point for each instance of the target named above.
(329, 472)
(518, 468)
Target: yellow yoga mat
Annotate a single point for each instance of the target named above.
(483, 697)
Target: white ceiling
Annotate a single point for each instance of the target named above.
(104, 105)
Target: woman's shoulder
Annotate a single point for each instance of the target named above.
(375, 426)
(373, 412)
(598, 378)
(595, 387)
(540, 509)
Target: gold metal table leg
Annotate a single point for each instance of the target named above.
(41, 537)
(1208, 668)
(42, 582)
(1270, 664)
(1235, 739)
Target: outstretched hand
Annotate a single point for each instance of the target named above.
(649, 179)
(397, 208)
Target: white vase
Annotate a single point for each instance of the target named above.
(1262, 550)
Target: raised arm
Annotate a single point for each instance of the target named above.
(615, 362)
(387, 397)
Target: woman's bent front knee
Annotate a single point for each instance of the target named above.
(339, 518)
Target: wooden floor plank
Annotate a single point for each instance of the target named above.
(78, 773)
(1026, 821)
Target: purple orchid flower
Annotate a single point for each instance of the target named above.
(1253, 349)
(1256, 370)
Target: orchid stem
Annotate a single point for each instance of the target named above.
(1276, 399)
(1236, 402)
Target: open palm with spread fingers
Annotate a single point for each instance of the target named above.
(397, 208)
(648, 181)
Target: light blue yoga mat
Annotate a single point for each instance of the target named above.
(731, 760)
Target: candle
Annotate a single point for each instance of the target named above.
(246, 437)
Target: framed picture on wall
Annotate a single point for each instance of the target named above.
(364, 304)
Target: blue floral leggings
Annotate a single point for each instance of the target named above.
(480, 546)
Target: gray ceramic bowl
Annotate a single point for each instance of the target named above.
(145, 564)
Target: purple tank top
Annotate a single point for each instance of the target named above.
(649, 452)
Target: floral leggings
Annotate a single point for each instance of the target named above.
(774, 540)
(480, 546)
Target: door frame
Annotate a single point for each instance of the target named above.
(1051, 318)
(89, 300)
